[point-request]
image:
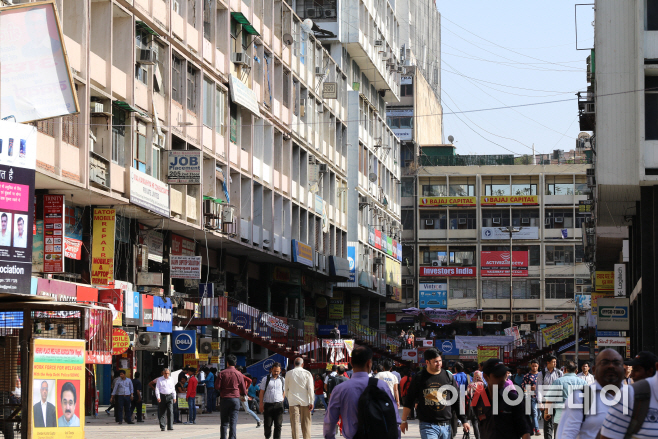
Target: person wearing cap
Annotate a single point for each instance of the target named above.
(509, 421)
(644, 365)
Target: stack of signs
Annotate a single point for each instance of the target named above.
(53, 238)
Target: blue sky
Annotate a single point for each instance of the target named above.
(526, 51)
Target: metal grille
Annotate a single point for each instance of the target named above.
(71, 129)
(46, 127)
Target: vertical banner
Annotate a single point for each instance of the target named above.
(356, 308)
(620, 280)
(102, 247)
(336, 306)
(53, 233)
(73, 232)
(37, 247)
(58, 387)
(17, 162)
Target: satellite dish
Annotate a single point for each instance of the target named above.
(288, 39)
(372, 177)
(584, 135)
(307, 25)
(451, 139)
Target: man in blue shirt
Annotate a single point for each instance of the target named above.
(122, 395)
(568, 382)
(461, 377)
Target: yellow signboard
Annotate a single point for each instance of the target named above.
(447, 201)
(558, 331)
(509, 200)
(102, 247)
(58, 383)
(605, 281)
(487, 352)
(336, 306)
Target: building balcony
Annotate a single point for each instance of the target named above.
(586, 111)
(463, 234)
(432, 234)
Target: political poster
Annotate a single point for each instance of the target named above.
(17, 163)
(58, 384)
(559, 331)
(102, 246)
(487, 352)
(185, 267)
(53, 234)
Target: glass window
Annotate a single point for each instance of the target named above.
(534, 255)
(462, 288)
(500, 289)
(559, 219)
(559, 188)
(177, 79)
(524, 189)
(208, 102)
(463, 219)
(436, 219)
(559, 288)
(525, 218)
(431, 256)
(159, 70)
(192, 75)
(207, 14)
(435, 190)
(651, 106)
(559, 255)
(407, 217)
(155, 164)
(139, 153)
(462, 190)
(219, 111)
(495, 218)
(118, 135)
(408, 255)
(462, 256)
(407, 90)
(234, 114)
(408, 187)
(191, 12)
(497, 189)
(583, 189)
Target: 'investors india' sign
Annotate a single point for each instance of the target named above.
(102, 247)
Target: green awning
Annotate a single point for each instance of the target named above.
(127, 107)
(146, 28)
(215, 200)
(246, 25)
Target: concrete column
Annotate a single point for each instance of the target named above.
(648, 207)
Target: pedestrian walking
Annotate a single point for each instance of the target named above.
(580, 421)
(272, 392)
(640, 418)
(253, 392)
(474, 391)
(319, 394)
(405, 383)
(244, 400)
(644, 365)
(230, 384)
(333, 373)
(165, 393)
(113, 405)
(190, 396)
(390, 379)
(568, 382)
(344, 403)
(180, 393)
(431, 389)
(545, 378)
(122, 395)
(530, 383)
(627, 380)
(299, 390)
(509, 421)
(585, 374)
(138, 398)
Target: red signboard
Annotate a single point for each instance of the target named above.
(53, 233)
(378, 239)
(497, 263)
(86, 294)
(72, 248)
(448, 271)
(181, 246)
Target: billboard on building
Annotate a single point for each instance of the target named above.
(502, 233)
(433, 295)
(17, 162)
(620, 280)
(613, 314)
(36, 80)
(447, 201)
(605, 281)
(149, 193)
(102, 246)
(184, 167)
(447, 271)
(497, 263)
(509, 200)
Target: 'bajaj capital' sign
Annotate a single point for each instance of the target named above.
(184, 342)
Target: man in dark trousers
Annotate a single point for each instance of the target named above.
(427, 389)
(272, 394)
(230, 384)
(138, 398)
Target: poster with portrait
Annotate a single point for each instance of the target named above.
(58, 373)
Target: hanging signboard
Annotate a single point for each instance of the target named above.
(605, 281)
(185, 267)
(487, 352)
(149, 193)
(620, 280)
(497, 263)
(102, 246)
(53, 238)
(559, 331)
(184, 167)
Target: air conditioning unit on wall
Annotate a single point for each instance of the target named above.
(239, 346)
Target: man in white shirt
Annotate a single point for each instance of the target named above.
(299, 390)
(165, 392)
(5, 235)
(588, 377)
(574, 424)
(390, 379)
(546, 378)
(20, 237)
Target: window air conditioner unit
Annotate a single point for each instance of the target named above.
(429, 222)
(205, 346)
(496, 220)
(502, 317)
(323, 168)
(97, 107)
(559, 220)
(147, 341)
(379, 43)
(518, 318)
(436, 263)
(525, 220)
(400, 69)
(313, 12)
(330, 13)
(489, 317)
(239, 346)
(462, 220)
(227, 215)
(319, 71)
(240, 58)
(530, 317)
(379, 261)
(408, 281)
(147, 56)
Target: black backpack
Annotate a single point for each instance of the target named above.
(376, 414)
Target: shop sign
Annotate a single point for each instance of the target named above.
(102, 247)
(559, 331)
(510, 200)
(183, 342)
(146, 310)
(447, 347)
(433, 295)
(149, 193)
(339, 267)
(613, 314)
(410, 355)
(351, 258)
(149, 279)
(325, 330)
(182, 246)
(620, 280)
(501, 233)
(447, 271)
(605, 281)
(281, 274)
(154, 240)
(120, 341)
(302, 253)
(497, 263)
(61, 365)
(184, 167)
(487, 352)
(113, 297)
(132, 307)
(378, 239)
(336, 306)
(608, 342)
(162, 321)
(86, 294)
(185, 267)
(447, 201)
(53, 220)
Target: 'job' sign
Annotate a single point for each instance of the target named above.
(184, 167)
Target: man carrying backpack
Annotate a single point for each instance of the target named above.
(427, 389)
(334, 381)
(366, 405)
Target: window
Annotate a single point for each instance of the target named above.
(559, 255)
(234, 115)
(208, 102)
(559, 188)
(118, 135)
(559, 288)
(436, 219)
(177, 79)
(46, 127)
(497, 189)
(71, 129)
(408, 187)
(219, 111)
(651, 107)
(462, 256)
(159, 69)
(286, 89)
(582, 189)
(191, 12)
(580, 253)
(558, 219)
(652, 14)
(430, 255)
(407, 219)
(141, 73)
(192, 75)
(406, 90)
(522, 289)
(463, 288)
(207, 13)
(463, 219)
(139, 152)
(155, 164)
(408, 255)
(495, 218)
(435, 190)
(524, 189)
(525, 218)
(534, 255)
(175, 5)
(462, 190)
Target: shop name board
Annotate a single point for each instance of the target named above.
(497, 263)
(502, 233)
(184, 167)
(149, 193)
(162, 313)
(605, 281)
(183, 342)
(448, 271)
(605, 342)
(302, 253)
(510, 200)
(447, 201)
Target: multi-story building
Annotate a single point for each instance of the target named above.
(456, 218)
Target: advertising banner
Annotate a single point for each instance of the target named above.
(36, 81)
(447, 201)
(336, 306)
(274, 323)
(501, 233)
(559, 331)
(182, 246)
(53, 238)
(262, 368)
(154, 240)
(58, 384)
(302, 253)
(509, 200)
(184, 167)
(513, 332)
(378, 239)
(73, 232)
(605, 281)
(185, 267)
(351, 258)
(434, 295)
(613, 314)
(497, 263)
(145, 310)
(162, 321)
(102, 246)
(620, 280)
(487, 352)
(120, 341)
(447, 347)
(149, 193)
(183, 342)
(409, 355)
(447, 271)
(131, 305)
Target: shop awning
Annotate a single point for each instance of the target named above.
(127, 107)
(215, 200)
(246, 25)
(146, 28)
